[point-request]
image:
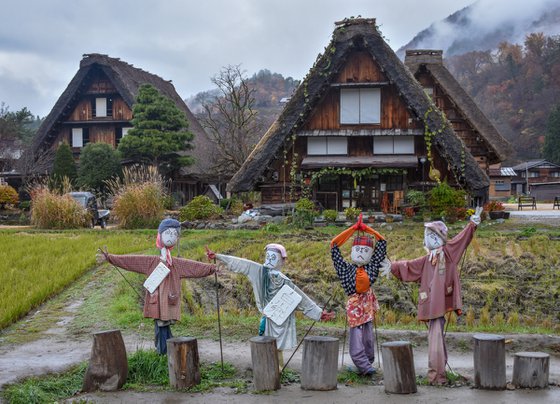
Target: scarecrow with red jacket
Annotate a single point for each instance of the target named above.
(356, 279)
(163, 304)
(440, 287)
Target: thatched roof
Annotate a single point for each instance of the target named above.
(127, 79)
(432, 61)
(350, 35)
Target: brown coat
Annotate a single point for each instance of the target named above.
(438, 292)
(165, 302)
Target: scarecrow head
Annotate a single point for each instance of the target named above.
(362, 250)
(435, 235)
(275, 256)
(168, 233)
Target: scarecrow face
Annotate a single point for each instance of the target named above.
(432, 240)
(273, 259)
(361, 254)
(169, 237)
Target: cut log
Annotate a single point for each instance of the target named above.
(266, 375)
(399, 375)
(108, 365)
(489, 362)
(320, 360)
(183, 363)
(530, 370)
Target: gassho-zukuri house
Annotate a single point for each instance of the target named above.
(361, 130)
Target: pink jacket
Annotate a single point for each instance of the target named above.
(438, 292)
(165, 302)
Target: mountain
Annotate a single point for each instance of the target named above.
(485, 24)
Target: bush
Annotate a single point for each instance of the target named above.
(352, 214)
(304, 213)
(330, 215)
(415, 198)
(25, 205)
(493, 206)
(99, 162)
(201, 207)
(8, 196)
(444, 200)
(233, 206)
(138, 198)
(49, 210)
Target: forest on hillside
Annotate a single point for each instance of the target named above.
(516, 86)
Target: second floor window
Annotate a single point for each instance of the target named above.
(393, 145)
(102, 107)
(360, 105)
(323, 145)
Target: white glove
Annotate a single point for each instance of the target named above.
(385, 267)
(475, 218)
(101, 256)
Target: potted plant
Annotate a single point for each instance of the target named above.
(495, 209)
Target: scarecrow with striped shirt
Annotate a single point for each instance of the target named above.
(356, 278)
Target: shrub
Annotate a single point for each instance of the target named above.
(138, 198)
(8, 196)
(493, 206)
(352, 214)
(233, 206)
(99, 162)
(201, 207)
(63, 164)
(304, 213)
(25, 205)
(50, 210)
(444, 200)
(415, 198)
(330, 215)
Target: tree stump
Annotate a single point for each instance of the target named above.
(320, 360)
(489, 362)
(108, 365)
(266, 375)
(530, 369)
(398, 367)
(183, 363)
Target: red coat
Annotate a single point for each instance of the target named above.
(165, 302)
(439, 291)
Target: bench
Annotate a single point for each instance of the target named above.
(556, 203)
(527, 202)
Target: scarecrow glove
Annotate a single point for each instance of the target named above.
(327, 316)
(385, 267)
(101, 256)
(475, 218)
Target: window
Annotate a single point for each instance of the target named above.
(120, 133)
(101, 107)
(555, 174)
(393, 145)
(429, 91)
(323, 145)
(360, 105)
(80, 137)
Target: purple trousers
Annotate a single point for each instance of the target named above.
(437, 353)
(362, 346)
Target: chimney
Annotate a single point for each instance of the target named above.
(423, 56)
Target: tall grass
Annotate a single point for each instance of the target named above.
(36, 265)
(138, 197)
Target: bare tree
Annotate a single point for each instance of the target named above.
(34, 163)
(230, 120)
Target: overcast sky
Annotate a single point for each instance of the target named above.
(42, 41)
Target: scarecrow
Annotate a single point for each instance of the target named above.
(267, 282)
(356, 279)
(440, 287)
(162, 301)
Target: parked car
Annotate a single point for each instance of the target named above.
(88, 201)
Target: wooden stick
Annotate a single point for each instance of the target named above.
(219, 321)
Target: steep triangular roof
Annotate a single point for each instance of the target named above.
(432, 61)
(127, 79)
(350, 35)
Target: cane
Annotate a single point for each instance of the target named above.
(344, 340)
(308, 331)
(124, 277)
(219, 321)
(376, 340)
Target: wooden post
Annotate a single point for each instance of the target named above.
(320, 359)
(183, 363)
(108, 365)
(266, 374)
(489, 362)
(399, 375)
(530, 369)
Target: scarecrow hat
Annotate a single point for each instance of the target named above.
(279, 248)
(363, 240)
(439, 228)
(168, 224)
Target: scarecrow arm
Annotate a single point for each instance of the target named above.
(409, 271)
(240, 265)
(458, 244)
(307, 306)
(134, 263)
(192, 269)
(379, 254)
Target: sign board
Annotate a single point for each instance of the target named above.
(156, 277)
(282, 305)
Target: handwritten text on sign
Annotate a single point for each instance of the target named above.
(282, 305)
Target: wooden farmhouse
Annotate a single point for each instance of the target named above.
(538, 178)
(360, 131)
(97, 107)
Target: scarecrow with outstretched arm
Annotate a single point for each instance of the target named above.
(267, 280)
(357, 278)
(164, 303)
(440, 288)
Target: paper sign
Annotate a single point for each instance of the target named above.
(282, 305)
(156, 277)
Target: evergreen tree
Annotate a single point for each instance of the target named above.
(64, 164)
(551, 149)
(160, 134)
(98, 162)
